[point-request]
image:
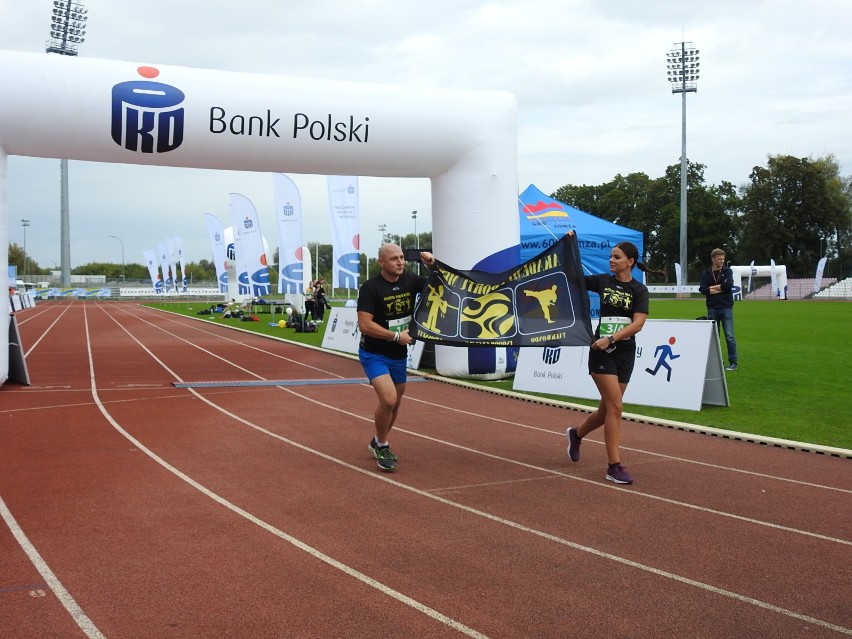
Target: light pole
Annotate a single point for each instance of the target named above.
(383, 229)
(122, 255)
(67, 32)
(25, 224)
(683, 74)
(416, 239)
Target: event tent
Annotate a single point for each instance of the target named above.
(544, 221)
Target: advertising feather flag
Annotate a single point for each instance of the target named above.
(288, 213)
(343, 208)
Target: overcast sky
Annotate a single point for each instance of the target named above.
(589, 76)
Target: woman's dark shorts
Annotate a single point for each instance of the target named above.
(619, 362)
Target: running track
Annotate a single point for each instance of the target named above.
(132, 508)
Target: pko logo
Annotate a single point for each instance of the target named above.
(288, 210)
(248, 224)
(146, 116)
(550, 355)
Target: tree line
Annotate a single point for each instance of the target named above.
(793, 210)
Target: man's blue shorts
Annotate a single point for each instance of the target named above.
(377, 365)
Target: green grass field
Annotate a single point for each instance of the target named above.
(792, 382)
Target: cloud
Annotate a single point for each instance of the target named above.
(593, 99)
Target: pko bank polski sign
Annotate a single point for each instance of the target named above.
(102, 110)
(465, 142)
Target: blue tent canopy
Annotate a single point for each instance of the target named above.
(544, 221)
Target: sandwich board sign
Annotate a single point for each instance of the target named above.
(678, 365)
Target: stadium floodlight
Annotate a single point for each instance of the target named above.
(68, 19)
(683, 66)
(68, 26)
(25, 223)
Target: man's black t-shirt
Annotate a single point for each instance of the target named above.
(619, 299)
(392, 306)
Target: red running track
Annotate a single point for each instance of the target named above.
(135, 508)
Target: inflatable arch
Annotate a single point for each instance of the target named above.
(745, 272)
(111, 111)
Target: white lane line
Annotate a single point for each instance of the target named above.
(635, 450)
(503, 421)
(46, 331)
(557, 473)
(317, 554)
(489, 516)
(83, 621)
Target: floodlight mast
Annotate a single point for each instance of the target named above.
(683, 74)
(67, 32)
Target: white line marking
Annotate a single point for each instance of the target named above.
(491, 517)
(317, 554)
(46, 331)
(571, 476)
(488, 417)
(85, 624)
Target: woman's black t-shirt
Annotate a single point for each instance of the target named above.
(619, 299)
(392, 306)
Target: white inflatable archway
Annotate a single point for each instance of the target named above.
(109, 111)
(743, 272)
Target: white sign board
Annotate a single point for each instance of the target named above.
(678, 365)
(342, 334)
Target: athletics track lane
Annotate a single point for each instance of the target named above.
(138, 547)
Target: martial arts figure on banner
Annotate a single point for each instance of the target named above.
(541, 302)
(546, 299)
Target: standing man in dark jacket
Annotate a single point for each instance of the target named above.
(716, 284)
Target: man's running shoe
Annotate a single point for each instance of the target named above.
(372, 448)
(619, 475)
(573, 444)
(384, 458)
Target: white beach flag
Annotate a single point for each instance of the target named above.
(151, 262)
(181, 262)
(248, 242)
(170, 247)
(288, 213)
(819, 271)
(343, 208)
(217, 242)
(164, 266)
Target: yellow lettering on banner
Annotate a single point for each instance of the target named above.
(475, 288)
(450, 278)
(551, 261)
(547, 338)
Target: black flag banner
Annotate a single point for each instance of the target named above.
(542, 302)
